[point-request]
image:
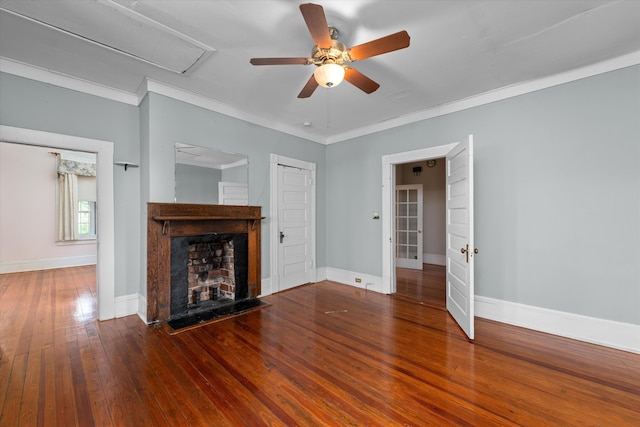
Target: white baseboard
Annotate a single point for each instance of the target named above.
(368, 282)
(321, 274)
(435, 259)
(609, 333)
(47, 264)
(317, 275)
(126, 305)
(265, 287)
(142, 308)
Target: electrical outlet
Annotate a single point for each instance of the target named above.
(358, 280)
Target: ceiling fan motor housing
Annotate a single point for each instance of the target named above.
(336, 54)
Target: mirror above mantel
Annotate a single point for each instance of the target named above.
(210, 176)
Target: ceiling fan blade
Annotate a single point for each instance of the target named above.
(313, 15)
(279, 61)
(309, 88)
(360, 81)
(392, 42)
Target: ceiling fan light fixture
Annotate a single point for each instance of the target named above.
(329, 75)
(332, 57)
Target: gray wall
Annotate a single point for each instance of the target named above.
(557, 195)
(557, 172)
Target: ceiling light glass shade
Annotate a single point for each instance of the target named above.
(329, 75)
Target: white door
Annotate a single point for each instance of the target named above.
(460, 245)
(233, 193)
(294, 214)
(409, 239)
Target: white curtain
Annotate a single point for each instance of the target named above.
(68, 206)
(68, 172)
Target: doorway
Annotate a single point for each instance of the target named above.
(421, 231)
(105, 277)
(459, 239)
(389, 164)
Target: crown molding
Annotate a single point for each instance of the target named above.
(149, 85)
(66, 81)
(506, 92)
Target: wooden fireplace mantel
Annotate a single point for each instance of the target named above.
(167, 220)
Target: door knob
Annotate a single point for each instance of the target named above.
(466, 252)
(281, 236)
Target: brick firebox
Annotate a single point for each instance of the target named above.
(211, 271)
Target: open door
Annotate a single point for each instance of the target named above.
(460, 244)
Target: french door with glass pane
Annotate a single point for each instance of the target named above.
(409, 239)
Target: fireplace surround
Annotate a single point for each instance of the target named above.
(170, 220)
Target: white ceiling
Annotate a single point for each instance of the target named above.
(459, 49)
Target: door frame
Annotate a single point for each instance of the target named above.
(105, 275)
(389, 163)
(275, 161)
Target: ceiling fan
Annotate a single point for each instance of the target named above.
(332, 57)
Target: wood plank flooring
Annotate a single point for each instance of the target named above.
(324, 354)
(426, 286)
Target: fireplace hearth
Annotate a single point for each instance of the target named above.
(201, 258)
(202, 315)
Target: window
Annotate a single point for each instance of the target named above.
(86, 219)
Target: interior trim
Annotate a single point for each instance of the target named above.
(106, 217)
(42, 75)
(28, 71)
(46, 264)
(346, 277)
(388, 193)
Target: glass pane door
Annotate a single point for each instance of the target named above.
(408, 226)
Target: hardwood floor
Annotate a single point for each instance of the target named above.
(321, 355)
(426, 286)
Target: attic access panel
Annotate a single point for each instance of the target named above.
(110, 25)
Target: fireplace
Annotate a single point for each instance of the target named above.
(200, 256)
